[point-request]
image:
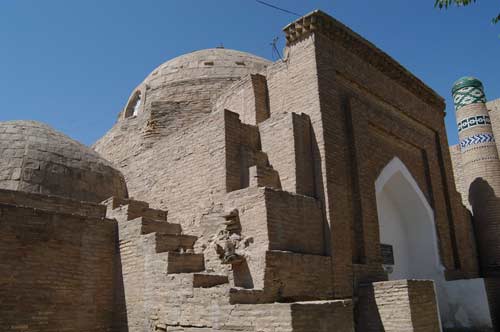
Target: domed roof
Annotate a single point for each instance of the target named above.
(36, 158)
(175, 95)
(208, 63)
(467, 81)
(194, 79)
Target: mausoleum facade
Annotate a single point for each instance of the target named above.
(315, 193)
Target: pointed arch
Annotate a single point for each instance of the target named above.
(406, 221)
(395, 166)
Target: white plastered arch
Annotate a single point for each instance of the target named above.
(394, 174)
(401, 205)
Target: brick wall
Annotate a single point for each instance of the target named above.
(184, 172)
(294, 222)
(367, 110)
(297, 277)
(57, 269)
(286, 138)
(52, 203)
(493, 107)
(400, 305)
(456, 160)
(247, 97)
(276, 220)
(277, 139)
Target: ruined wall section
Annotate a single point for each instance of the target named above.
(168, 287)
(183, 173)
(246, 163)
(287, 139)
(57, 265)
(247, 97)
(175, 98)
(283, 233)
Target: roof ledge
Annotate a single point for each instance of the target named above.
(322, 23)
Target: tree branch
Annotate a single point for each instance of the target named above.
(460, 3)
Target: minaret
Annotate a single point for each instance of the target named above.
(481, 168)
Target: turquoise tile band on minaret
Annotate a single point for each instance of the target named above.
(466, 91)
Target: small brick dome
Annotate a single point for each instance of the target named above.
(36, 158)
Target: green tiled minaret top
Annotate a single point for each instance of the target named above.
(466, 91)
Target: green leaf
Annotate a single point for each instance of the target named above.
(495, 20)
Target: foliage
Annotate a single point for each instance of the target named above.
(447, 3)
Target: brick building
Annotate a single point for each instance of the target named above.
(315, 193)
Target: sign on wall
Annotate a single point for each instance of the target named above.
(387, 254)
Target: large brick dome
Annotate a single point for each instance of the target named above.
(174, 96)
(36, 158)
(195, 77)
(208, 63)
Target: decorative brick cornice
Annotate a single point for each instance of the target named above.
(320, 22)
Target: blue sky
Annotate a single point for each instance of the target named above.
(73, 64)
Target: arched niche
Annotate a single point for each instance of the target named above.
(134, 105)
(406, 222)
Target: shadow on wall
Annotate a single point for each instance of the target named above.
(486, 210)
(242, 275)
(319, 190)
(366, 315)
(120, 321)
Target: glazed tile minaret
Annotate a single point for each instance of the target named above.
(481, 167)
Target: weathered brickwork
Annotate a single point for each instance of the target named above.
(56, 265)
(403, 305)
(286, 137)
(247, 97)
(494, 114)
(365, 116)
(167, 287)
(328, 139)
(476, 166)
(36, 158)
(252, 201)
(279, 221)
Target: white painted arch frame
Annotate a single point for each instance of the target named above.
(463, 304)
(394, 167)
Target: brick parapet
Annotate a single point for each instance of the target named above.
(321, 23)
(51, 203)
